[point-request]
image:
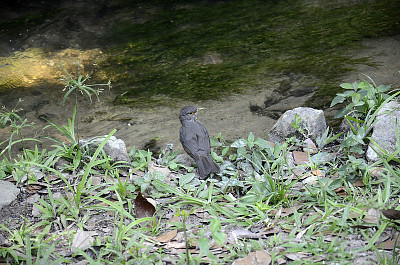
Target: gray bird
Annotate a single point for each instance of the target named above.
(196, 141)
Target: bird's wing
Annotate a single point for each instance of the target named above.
(195, 140)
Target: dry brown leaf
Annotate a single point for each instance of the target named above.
(300, 158)
(310, 146)
(341, 192)
(317, 173)
(83, 239)
(358, 183)
(176, 245)
(143, 208)
(297, 256)
(174, 219)
(152, 167)
(167, 236)
(391, 214)
(373, 216)
(51, 178)
(311, 180)
(299, 173)
(389, 244)
(254, 258)
(96, 180)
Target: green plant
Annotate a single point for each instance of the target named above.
(362, 97)
(326, 138)
(273, 183)
(17, 124)
(31, 247)
(78, 84)
(184, 216)
(300, 126)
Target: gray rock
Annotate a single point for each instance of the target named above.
(184, 159)
(312, 119)
(9, 193)
(384, 130)
(115, 148)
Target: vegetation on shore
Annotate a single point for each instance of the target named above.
(92, 208)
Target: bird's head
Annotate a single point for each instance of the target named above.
(189, 113)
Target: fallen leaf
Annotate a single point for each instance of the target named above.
(167, 236)
(389, 244)
(143, 208)
(152, 167)
(51, 178)
(254, 258)
(391, 214)
(317, 173)
(83, 239)
(358, 183)
(297, 256)
(96, 180)
(301, 158)
(174, 219)
(310, 146)
(341, 192)
(176, 245)
(312, 180)
(372, 216)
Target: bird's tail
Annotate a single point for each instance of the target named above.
(206, 166)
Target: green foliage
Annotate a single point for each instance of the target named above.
(326, 138)
(362, 97)
(78, 84)
(300, 126)
(257, 189)
(30, 247)
(17, 124)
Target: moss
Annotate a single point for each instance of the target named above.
(163, 56)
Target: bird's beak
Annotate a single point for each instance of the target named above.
(198, 109)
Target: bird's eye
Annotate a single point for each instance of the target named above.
(191, 113)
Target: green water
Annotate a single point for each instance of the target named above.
(162, 58)
(155, 50)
